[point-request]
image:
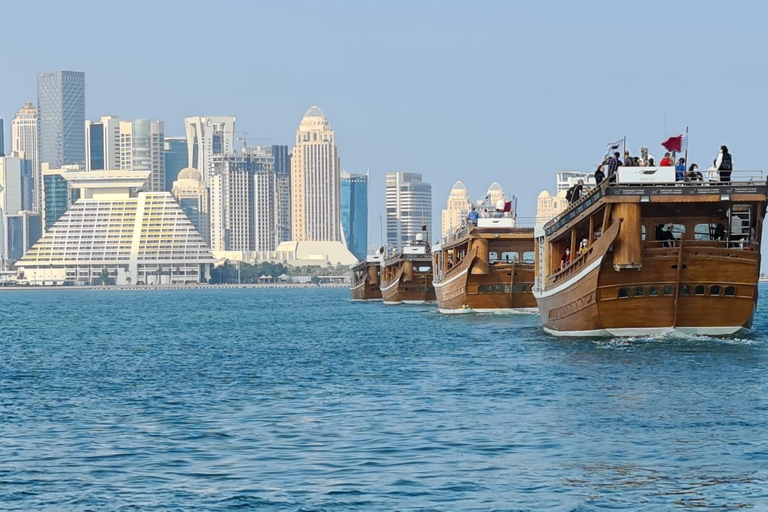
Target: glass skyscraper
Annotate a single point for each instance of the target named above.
(61, 115)
(354, 212)
(175, 155)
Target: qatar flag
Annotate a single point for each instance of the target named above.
(676, 143)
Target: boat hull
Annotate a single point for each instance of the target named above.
(397, 290)
(503, 290)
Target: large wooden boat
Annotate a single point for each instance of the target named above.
(488, 268)
(658, 256)
(365, 276)
(406, 277)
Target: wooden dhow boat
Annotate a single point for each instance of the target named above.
(488, 268)
(649, 255)
(365, 278)
(406, 277)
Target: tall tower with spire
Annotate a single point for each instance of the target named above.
(315, 181)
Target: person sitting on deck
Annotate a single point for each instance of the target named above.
(583, 247)
(680, 170)
(566, 259)
(693, 173)
(472, 216)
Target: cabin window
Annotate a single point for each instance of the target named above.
(493, 256)
(506, 288)
(524, 287)
(515, 288)
(481, 289)
(699, 289)
(489, 289)
(638, 291)
(498, 288)
(528, 257)
(669, 290)
(623, 293)
(685, 289)
(714, 290)
(704, 231)
(653, 291)
(510, 257)
(642, 232)
(730, 291)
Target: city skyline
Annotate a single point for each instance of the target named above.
(447, 75)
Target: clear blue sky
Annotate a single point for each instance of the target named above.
(478, 91)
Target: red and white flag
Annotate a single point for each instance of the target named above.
(677, 143)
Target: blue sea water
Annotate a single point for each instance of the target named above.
(300, 400)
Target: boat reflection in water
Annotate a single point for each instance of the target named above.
(660, 255)
(488, 268)
(406, 277)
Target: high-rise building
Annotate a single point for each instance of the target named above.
(61, 117)
(457, 208)
(192, 196)
(102, 144)
(282, 159)
(142, 149)
(2, 139)
(24, 145)
(16, 184)
(58, 196)
(206, 137)
(175, 154)
(243, 201)
(111, 236)
(315, 170)
(22, 230)
(354, 212)
(409, 207)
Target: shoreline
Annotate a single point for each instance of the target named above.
(201, 286)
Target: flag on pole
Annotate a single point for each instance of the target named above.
(508, 206)
(612, 147)
(676, 143)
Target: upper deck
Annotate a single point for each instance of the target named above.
(658, 185)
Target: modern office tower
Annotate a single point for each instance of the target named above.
(282, 159)
(112, 237)
(457, 208)
(16, 187)
(61, 117)
(22, 230)
(354, 213)
(243, 202)
(58, 196)
(409, 207)
(142, 149)
(2, 139)
(206, 137)
(102, 144)
(175, 155)
(24, 144)
(315, 169)
(192, 196)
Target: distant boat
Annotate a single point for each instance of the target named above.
(406, 277)
(660, 255)
(366, 278)
(488, 268)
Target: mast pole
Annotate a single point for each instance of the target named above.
(686, 151)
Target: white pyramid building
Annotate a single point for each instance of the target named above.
(114, 236)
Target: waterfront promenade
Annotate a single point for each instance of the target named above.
(201, 286)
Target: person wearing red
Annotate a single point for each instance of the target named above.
(667, 161)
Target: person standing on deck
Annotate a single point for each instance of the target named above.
(724, 164)
(613, 166)
(472, 216)
(599, 175)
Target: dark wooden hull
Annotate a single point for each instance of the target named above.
(365, 281)
(505, 289)
(596, 299)
(399, 289)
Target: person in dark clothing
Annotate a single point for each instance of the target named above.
(693, 173)
(665, 235)
(724, 164)
(719, 233)
(599, 175)
(574, 193)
